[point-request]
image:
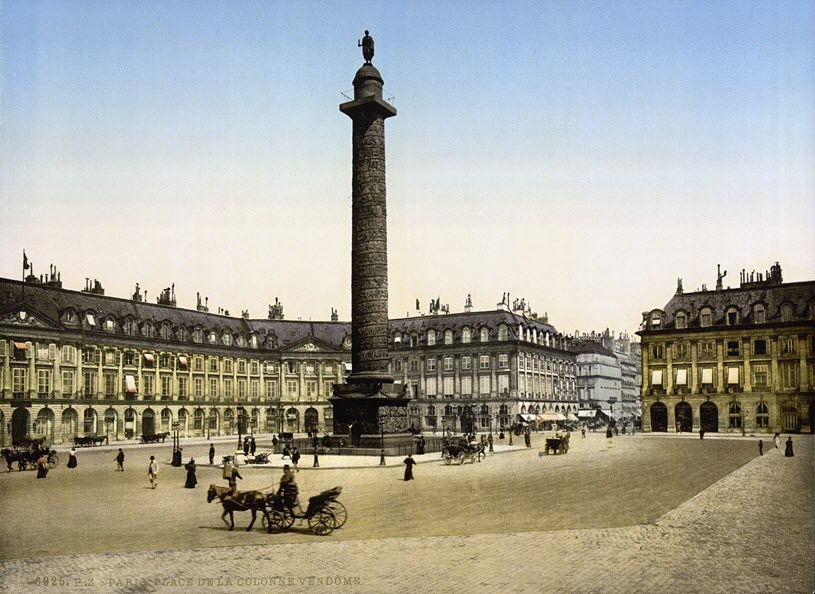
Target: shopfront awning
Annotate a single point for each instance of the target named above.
(571, 417)
(526, 417)
(561, 416)
(20, 346)
(549, 416)
(587, 414)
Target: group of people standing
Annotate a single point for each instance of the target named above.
(788, 449)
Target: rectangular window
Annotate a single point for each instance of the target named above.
(733, 348)
(656, 377)
(484, 385)
(682, 350)
(182, 387)
(328, 388)
(467, 386)
(166, 387)
(67, 383)
(761, 375)
(466, 363)
(788, 374)
(413, 365)
(42, 351)
(311, 389)
(254, 368)
(198, 364)
(484, 362)
(68, 354)
(89, 356)
(503, 384)
(448, 386)
(397, 366)
(213, 364)
(448, 364)
(760, 347)
(681, 377)
(241, 389)
(89, 384)
(148, 385)
(430, 386)
(732, 376)
(213, 388)
(503, 361)
(110, 357)
(431, 363)
(657, 351)
(198, 387)
(110, 384)
(271, 389)
(254, 390)
(19, 381)
(43, 383)
(292, 390)
(227, 365)
(788, 345)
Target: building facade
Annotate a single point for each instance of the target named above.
(732, 360)
(77, 363)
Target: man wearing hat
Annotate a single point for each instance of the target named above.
(288, 487)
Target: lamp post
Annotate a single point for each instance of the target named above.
(176, 445)
(490, 440)
(382, 445)
(240, 410)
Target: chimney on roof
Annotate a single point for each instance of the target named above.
(276, 310)
(93, 289)
(137, 293)
(167, 297)
(201, 306)
(245, 314)
(334, 315)
(52, 280)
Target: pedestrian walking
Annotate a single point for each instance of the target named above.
(191, 479)
(72, 458)
(42, 467)
(252, 446)
(152, 471)
(583, 431)
(245, 446)
(211, 454)
(120, 460)
(295, 458)
(760, 447)
(274, 442)
(286, 452)
(788, 449)
(409, 462)
(777, 440)
(701, 433)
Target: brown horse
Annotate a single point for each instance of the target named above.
(237, 501)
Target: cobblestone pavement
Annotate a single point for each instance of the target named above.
(751, 531)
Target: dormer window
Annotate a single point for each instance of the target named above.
(183, 334)
(212, 338)
(786, 312)
(732, 316)
(681, 321)
(90, 319)
(397, 338)
(148, 330)
(70, 316)
(448, 337)
(241, 340)
(431, 337)
(502, 332)
(129, 327)
(485, 335)
(759, 314)
(706, 317)
(110, 325)
(227, 339)
(466, 336)
(253, 341)
(198, 335)
(656, 321)
(166, 332)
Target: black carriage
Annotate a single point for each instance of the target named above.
(154, 437)
(90, 440)
(557, 445)
(324, 513)
(461, 451)
(27, 458)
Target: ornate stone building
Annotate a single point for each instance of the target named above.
(82, 363)
(734, 360)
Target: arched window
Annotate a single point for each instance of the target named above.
(241, 340)
(786, 312)
(502, 332)
(485, 334)
(448, 337)
(762, 415)
(166, 333)
(431, 337)
(732, 316)
(706, 317)
(681, 320)
(198, 335)
(734, 416)
(227, 339)
(183, 334)
(759, 314)
(148, 330)
(466, 335)
(213, 338)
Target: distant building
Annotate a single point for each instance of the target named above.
(731, 360)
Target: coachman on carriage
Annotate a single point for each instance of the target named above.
(26, 453)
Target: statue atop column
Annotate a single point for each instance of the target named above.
(367, 45)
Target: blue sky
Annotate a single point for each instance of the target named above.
(582, 155)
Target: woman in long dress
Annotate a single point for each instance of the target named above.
(788, 449)
(409, 462)
(42, 467)
(191, 480)
(72, 458)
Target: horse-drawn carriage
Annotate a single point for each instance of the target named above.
(324, 513)
(154, 437)
(28, 457)
(90, 440)
(558, 444)
(462, 450)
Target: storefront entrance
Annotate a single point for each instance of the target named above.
(659, 417)
(709, 417)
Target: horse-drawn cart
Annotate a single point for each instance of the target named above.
(324, 513)
(27, 458)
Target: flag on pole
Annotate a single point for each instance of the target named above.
(25, 261)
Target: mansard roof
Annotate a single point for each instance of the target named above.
(590, 346)
(474, 320)
(801, 295)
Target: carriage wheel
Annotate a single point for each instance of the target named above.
(338, 509)
(274, 521)
(322, 522)
(448, 459)
(461, 458)
(53, 461)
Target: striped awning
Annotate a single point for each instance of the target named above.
(183, 361)
(149, 358)
(130, 384)
(20, 346)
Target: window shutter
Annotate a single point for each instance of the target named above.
(3, 348)
(52, 352)
(29, 351)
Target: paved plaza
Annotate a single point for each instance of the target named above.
(639, 514)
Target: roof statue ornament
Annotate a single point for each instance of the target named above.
(679, 289)
(719, 276)
(367, 45)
